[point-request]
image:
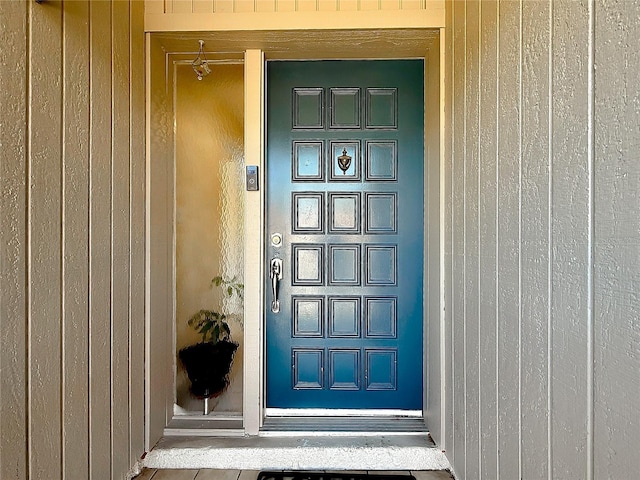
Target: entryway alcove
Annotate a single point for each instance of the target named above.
(199, 141)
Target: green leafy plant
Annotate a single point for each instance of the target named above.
(231, 286)
(213, 325)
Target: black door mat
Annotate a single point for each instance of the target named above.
(302, 475)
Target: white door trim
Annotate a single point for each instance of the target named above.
(254, 88)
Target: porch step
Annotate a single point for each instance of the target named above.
(329, 452)
(347, 425)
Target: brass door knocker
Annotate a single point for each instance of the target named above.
(344, 161)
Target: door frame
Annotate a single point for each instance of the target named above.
(424, 43)
(254, 412)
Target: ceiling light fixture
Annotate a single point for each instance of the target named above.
(200, 65)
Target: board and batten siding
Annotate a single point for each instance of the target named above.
(72, 181)
(542, 239)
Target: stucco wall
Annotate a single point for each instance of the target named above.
(542, 239)
(72, 181)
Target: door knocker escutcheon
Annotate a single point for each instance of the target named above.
(344, 161)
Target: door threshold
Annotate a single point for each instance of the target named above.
(343, 425)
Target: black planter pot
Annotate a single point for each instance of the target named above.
(208, 366)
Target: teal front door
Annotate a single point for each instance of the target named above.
(344, 235)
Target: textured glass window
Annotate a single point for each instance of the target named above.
(209, 206)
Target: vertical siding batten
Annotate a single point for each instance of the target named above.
(570, 240)
(535, 187)
(457, 241)
(617, 240)
(121, 266)
(149, 414)
(478, 191)
(75, 255)
(550, 256)
(136, 232)
(45, 404)
(497, 233)
(14, 155)
(471, 239)
(508, 224)
(446, 232)
(520, 59)
(119, 235)
(591, 238)
(100, 246)
(463, 258)
(487, 205)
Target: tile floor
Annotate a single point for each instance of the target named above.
(207, 474)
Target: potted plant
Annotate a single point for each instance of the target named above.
(208, 362)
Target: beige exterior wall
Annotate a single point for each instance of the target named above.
(542, 239)
(539, 217)
(72, 178)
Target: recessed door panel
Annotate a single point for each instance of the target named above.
(344, 168)
(308, 162)
(308, 108)
(344, 265)
(308, 316)
(382, 108)
(381, 212)
(344, 212)
(345, 108)
(308, 212)
(381, 369)
(381, 161)
(344, 369)
(380, 317)
(344, 317)
(307, 368)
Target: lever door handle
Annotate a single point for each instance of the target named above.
(275, 272)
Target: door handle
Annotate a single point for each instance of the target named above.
(275, 272)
